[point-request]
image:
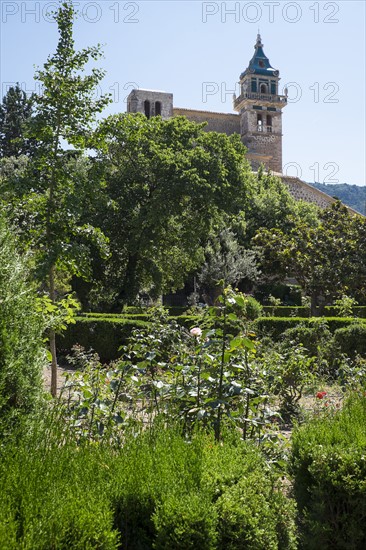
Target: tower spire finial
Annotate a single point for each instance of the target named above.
(259, 41)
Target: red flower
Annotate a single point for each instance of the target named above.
(321, 394)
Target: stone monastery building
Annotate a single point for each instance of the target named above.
(257, 119)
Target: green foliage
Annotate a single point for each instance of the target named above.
(61, 314)
(51, 495)
(159, 490)
(287, 372)
(329, 468)
(22, 355)
(272, 206)
(206, 377)
(188, 522)
(304, 311)
(253, 308)
(54, 197)
(276, 326)
(326, 259)
(15, 114)
(286, 311)
(314, 337)
(290, 295)
(57, 189)
(226, 264)
(105, 336)
(351, 340)
(254, 515)
(105, 333)
(170, 184)
(344, 305)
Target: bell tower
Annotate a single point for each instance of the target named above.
(260, 108)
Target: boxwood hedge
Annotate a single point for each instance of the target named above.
(328, 462)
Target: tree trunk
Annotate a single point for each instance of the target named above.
(129, 289)
(53, 337)
(313, 305)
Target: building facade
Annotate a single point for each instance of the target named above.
(257, 119)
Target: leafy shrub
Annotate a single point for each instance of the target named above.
(286, 311)
(351, 340)
(159, 490)
(313, 336)
(287, 372)
(276, 326)
(253, 309)
(185, 522)
(345, 305)
(22, 354)
(288, 294)
(54, 496)
(104, 336)
(329, 468)
(252, 515)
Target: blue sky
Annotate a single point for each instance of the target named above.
(191, 48)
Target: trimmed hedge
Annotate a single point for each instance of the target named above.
(106, 333)
(352, 339)
(104, 336)
(287, 311)
(328, 462)
(170, 495)
(276, 326)
(357, 311)
(304, 311)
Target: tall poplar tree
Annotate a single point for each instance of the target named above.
(65, 113)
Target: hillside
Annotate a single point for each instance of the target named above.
(352, 195)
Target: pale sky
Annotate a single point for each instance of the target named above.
(197, 50)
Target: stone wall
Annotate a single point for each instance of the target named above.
(226, 123)
(301, 190)
(136, 102)
(265, 146)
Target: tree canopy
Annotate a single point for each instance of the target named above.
(168, 184)
(327, 260)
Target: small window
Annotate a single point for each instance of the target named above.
(263, 89)
(157, 108)
(259, 123)
(147, 108)
(269, 124)
(261, 63)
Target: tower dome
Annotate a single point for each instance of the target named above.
(259, 64)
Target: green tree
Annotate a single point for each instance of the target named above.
(226, 264)
(58, 186)
(169, 183)
(327, 260)
(16, 112)
(22, 353)
(273, 206)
